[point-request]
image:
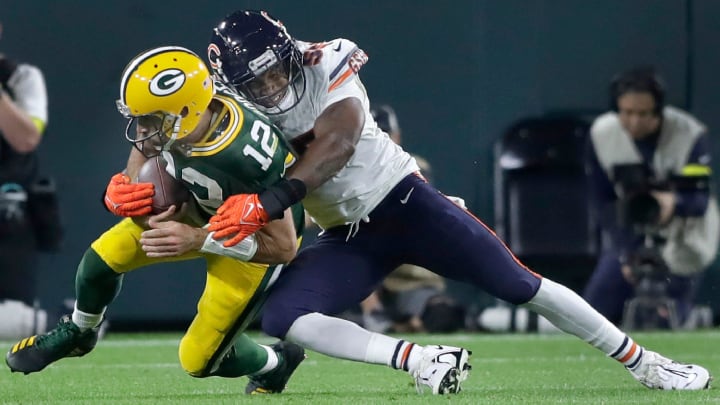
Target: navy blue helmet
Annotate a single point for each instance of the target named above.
(253, 52)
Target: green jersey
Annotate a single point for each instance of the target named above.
(242, 153)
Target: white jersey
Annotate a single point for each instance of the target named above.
(377, 165)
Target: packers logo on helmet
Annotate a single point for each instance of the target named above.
(163, 93)
(167, 82)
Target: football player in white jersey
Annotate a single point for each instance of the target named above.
(377, 212)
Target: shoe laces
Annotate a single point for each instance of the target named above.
(63, 331)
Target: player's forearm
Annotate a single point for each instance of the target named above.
(337, 130)
(277, 242)
(16, 126)
(322, 160)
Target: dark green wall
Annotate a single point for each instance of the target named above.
(458, 72)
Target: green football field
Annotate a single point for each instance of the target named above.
(507, 369)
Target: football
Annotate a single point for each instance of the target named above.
(168, 190)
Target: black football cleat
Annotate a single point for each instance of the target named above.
(34, 353)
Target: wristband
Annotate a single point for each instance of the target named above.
(281, 196)
(243, 251)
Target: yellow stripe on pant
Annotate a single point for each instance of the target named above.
(230, 286)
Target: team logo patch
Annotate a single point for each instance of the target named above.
(214, 55)
(167, 82)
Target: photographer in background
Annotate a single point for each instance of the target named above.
(649, 168)
(23, 115)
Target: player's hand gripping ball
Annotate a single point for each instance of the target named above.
(168, 190)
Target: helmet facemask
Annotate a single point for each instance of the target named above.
(152, 133)
(253, 53)
(277, 85)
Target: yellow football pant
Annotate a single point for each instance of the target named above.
(233, 293)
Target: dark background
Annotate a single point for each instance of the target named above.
(457, 72)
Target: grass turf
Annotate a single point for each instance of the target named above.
(507, 369)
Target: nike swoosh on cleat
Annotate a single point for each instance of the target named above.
(403, 202)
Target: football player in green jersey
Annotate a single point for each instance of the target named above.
(217, 145)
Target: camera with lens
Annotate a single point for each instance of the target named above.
(636, 207)
(638, 210)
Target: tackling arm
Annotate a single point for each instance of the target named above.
(337, 131)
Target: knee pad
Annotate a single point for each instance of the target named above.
(193, 357)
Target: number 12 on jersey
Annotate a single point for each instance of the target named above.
(263, 134)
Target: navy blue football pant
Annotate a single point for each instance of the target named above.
(414, 224)
(607, 290)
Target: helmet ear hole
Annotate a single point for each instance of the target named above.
(184, 112)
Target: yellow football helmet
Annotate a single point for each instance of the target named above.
(163, 93)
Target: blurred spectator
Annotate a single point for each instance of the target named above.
(23, 116)
(649, 168)
(411, 298)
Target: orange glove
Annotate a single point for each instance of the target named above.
(240, 215)
(126, 199)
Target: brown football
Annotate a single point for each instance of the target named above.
(168, 190)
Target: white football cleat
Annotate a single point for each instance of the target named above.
(658, 372)
(442, 368)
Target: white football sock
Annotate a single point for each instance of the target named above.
(272, 361)
(572, 314)
(86, 321)
(346, 340)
